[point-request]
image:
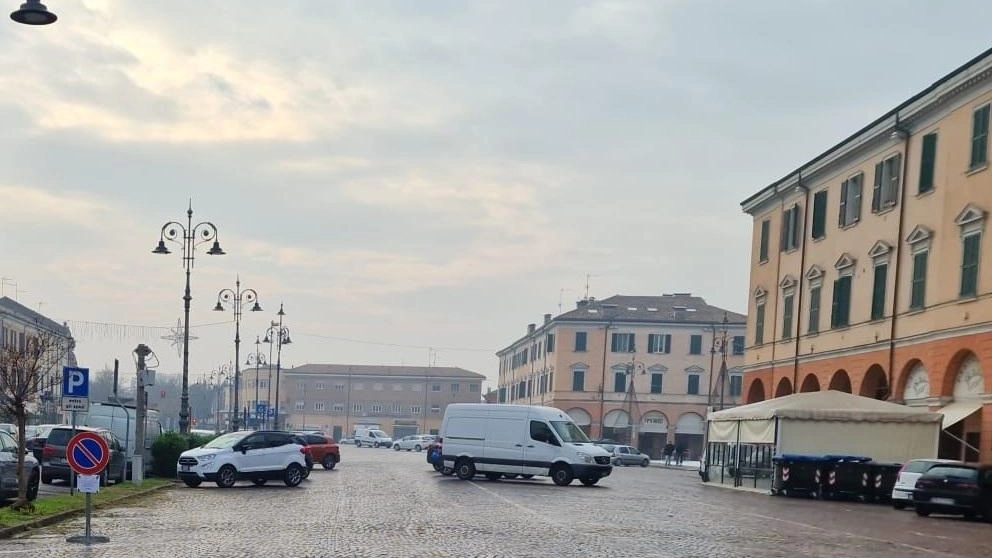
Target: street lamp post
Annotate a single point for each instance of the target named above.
(632, 366)
(236, 298)
(255, 359)
(33, 12)
(720, 345)
(189, 236)
(279, 335)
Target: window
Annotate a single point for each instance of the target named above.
(759, 324)
(357, 408)
(358, 386)
(969, 264)
(736, 385)
(819, 215)
(549, 343)
(738, 345)
(695, 344)
(814, 309)
(415, 409)
(693, 384)
(578, 380)
(766, 226)
(541, 432)
(455, 387)
(436, 387)
(659, 343)
(787, 316)
(474, 388)
(320, 386)
(790, 228)
(435, 409)
(619, 382)
(301, 386)
(523, 358)
(886, 191)
(840, 314)
(338, 408)
(928, 163)
(917, 299)
(319, 406)
(263, 383)
(299, 406)
(656, 380)
(415, 387)
(580, 341)
(338, 387)
(375, 408)
(623, 343)
(397, 387)
(543, 385)
(378, 387)
(980, 138)
(850, 200)
(878, 292)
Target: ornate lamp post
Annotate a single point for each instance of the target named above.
(256, 359)
(33, 12)
(632, 367)
(189, 236)
(279, 335)
(719, 346)
(236, 298)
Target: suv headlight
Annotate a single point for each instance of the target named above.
(206, 458)
(584, 456)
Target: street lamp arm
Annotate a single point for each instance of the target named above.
(174, 231)
(204, 232)
(249, 295)
(226, 296)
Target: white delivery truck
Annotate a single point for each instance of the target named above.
(525, 440)
(372, 437)
(120, 419)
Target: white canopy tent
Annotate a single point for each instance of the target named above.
(830, 422)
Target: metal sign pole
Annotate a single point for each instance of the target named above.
(72, 474)
(89, 511)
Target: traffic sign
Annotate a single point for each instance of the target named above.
(75, 389)
(260, 409)
(87, 453)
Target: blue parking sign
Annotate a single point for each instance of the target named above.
(75, 382)
(260, 409)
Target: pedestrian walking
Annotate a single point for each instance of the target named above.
(668, 452)
(679, 455)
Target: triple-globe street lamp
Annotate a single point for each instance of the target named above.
(256, 359)
(279, 335)
(237, 297)
(189, 236)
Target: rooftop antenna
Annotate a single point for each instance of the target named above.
(588, 276)
(561, 294)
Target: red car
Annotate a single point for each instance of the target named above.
(323, 449)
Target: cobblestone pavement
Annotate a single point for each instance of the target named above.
(384, 503)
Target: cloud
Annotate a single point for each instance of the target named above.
(35, 205)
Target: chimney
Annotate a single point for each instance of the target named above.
(547, 319)
(531, 328)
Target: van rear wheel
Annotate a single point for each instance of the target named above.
(493, 476)
(465, 469)
(562, 475)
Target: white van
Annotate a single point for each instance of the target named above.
(527, 440)
(372, 437)
(121, 421)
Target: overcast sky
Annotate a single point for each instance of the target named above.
(430, 173)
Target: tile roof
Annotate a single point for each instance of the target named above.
(381, 370)
(674, 308)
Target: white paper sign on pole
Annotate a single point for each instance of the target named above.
(88, 484)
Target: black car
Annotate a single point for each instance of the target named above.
(55, 466)
(955, 489)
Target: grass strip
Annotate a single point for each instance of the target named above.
(48, 506)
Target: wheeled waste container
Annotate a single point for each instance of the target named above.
(843, 476)
(878, 482)
(797, 475)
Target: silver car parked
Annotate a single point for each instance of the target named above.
(413, 443)
(629, 455)
(8, 469)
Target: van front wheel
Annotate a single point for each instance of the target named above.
(562, 475)
(465, 469)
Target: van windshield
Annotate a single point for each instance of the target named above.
(378, 433)
(568, 432)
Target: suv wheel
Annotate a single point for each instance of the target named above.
(562, 475)
(226, 476)
(328, 462)
(192, 483)
(465, 469)
(294, 475)
(396, 447)
(417, 448)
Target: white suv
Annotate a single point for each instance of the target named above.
(245, 455)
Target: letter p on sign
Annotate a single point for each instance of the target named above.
(75, 382)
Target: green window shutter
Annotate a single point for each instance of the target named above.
(928, 161)
(919, 290)
(696, 345)
(878, 292)
(819, 214)
(834, 306)
(969, 265)
(842, 214)
(876, 193)
(980, 137)
(693, 384)
(759, 325)
(656, 383)
(763, 247)
(668, 343)
(845, 300)
(787, 317)
(619, 382)
(814, 310)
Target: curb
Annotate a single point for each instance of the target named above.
(8, 532)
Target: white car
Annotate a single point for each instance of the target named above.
(373, 438)
(413, 443)
(902, 492)
(245, 455)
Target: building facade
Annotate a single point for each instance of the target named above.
(635, 369)
(18, 324)
(868, 272)
(401, 400)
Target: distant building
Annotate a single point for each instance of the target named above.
(401, 400)
(581, 362)
(18, 323)
(868, 272)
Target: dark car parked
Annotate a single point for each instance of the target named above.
(36, 443)
(54, 465)
(8, 469)
(955, 489)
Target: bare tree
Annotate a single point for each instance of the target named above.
(22, 371)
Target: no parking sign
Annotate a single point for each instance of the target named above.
(87, 453)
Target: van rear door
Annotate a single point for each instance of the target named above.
(504, 451)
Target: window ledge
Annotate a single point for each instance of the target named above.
(976, 170)
(841, 327)
(887, 209)
(915, 311)
(818, 238)
(967, 299)
(850, 225)
(813, 333)
(763, 262)
(921, 195)
(879, 320)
